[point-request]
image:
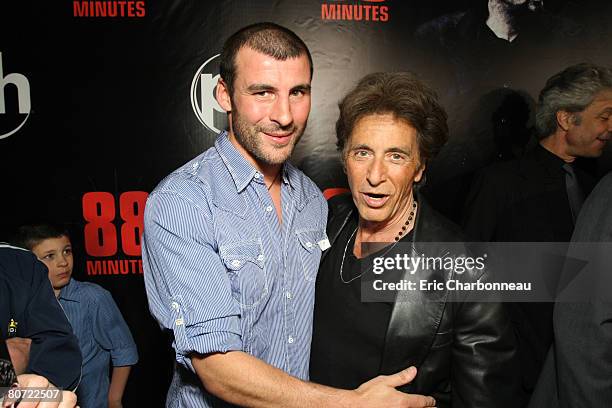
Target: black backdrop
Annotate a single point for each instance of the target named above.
(117, 102)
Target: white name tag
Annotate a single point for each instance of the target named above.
(324, 244)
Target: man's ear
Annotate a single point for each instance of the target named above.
(419, 174)
(564, 119)
(222, 94)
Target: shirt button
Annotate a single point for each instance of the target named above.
(309, 245)
(269, 208)
(175, 305)
(290, 340)
(256, 176)
(288, 295)
(260, 257)
(235, 263)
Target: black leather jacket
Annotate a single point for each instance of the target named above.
(464, 351)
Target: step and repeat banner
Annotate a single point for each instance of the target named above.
(99, 100)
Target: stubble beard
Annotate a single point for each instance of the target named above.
(249, 137)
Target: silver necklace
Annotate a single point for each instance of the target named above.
(397, 239)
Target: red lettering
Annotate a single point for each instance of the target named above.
(375, 13)
(367, 14)
(328, 11)
(131, 207)
(100, 232)
(384, 13)
(80, 9)
(100, 7)
(93, 268)
(140, 7)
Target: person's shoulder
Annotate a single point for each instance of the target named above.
(603, 189)
(340, 203)
(20, 264)
(191, 176)
(90, 291)
(303, 184)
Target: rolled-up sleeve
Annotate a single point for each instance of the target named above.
(112, 333)
(187, 286)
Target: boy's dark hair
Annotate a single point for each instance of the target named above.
(28, 236)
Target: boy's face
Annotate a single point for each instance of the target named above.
(56, 253)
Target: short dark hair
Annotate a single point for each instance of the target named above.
(404, 96)
(570, 90)
(28, 236)
(268, 38)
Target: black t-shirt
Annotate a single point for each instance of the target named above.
(348, 334)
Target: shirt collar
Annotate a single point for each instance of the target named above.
(552, 162)
(241, 170)
(68, 292)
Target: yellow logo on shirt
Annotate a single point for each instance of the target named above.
(12, 328)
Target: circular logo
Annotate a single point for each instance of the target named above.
(203, 102)
(12, 121)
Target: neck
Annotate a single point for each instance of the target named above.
(269, 171)
(57, 292)
(500, 20)
(557, 145)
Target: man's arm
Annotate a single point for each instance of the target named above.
(189, 293)
(244, 380)
(19, 350)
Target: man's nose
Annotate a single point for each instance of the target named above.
(376, 172)
(281, 112)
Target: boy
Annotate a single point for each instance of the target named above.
(94, 316)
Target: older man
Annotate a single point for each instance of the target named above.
(537, 197)
(232, 244)
(390, 125)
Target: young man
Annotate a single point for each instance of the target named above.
(97, 322)
(232, 243)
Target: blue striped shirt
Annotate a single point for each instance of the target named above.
(223, 274)
(103, 336)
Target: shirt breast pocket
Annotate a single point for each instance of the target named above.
(310, 253)
(245, 265)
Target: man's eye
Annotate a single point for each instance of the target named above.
(297, 92)
(362, 153)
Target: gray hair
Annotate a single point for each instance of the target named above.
(571, 90)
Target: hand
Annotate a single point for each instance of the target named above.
(69, 399)
(19, 350)
(381, 392)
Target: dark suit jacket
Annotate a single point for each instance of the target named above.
(525, 200)
(464, 350)
(29, 309)
(578, 370)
